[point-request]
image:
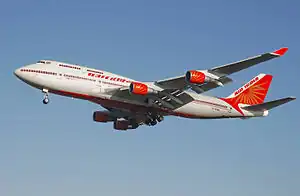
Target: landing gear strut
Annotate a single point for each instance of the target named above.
(153, 120)
(46, 99)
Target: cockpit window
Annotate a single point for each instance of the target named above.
(41, 62)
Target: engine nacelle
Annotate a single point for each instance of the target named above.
(122, 124)
(196, 77)
(140, 89)
(102, 116)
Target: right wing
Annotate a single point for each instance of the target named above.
(221, 72)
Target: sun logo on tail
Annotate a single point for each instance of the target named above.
(255, 94)
(252, 93)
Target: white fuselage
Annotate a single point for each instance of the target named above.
(98, 86)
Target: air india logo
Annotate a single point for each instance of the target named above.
(253, 92)
(246, 86)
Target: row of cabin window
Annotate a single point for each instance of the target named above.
(99, 72)
(110, 83)
(39, 71)
(69, 66)
(78, 77)
(72, 67)
(44, 62)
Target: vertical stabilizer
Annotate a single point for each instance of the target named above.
(253, 92)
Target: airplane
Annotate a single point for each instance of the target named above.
(130, 103)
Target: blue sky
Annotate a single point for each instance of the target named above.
(58, 150)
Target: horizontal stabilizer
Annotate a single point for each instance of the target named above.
(269, 105)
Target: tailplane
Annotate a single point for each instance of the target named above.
(268, 105)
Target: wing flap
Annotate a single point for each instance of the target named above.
(180, 83)
(167, 98)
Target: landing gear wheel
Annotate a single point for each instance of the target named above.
(148, 122)
(45, 100)
(153, 122)
(160, 118)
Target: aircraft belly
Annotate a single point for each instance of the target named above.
(198, 110)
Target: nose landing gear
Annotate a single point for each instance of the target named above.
(46, 99)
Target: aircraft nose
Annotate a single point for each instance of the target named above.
(17, 72)
(23, 73)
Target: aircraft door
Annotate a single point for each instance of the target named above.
(59, 76)
(98, 89)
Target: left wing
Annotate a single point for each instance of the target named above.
(219, 73)
(130, 110)
(166, 99)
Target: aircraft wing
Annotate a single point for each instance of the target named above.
(168, 99)
(141, 108)
(221, 72)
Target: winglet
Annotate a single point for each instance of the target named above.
(280, 52)
(292, 98)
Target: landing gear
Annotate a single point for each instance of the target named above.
(152, 102)
(148, 122)
(46, 99)
(153, 122)
(153, 119)
(160, 118)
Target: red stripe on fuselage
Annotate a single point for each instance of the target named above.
(71, 94)
(210, 103)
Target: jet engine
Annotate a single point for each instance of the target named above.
(123, 124)
(102, 116)
(196, 77)
(140, 89)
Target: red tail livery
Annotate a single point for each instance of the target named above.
(252, 93)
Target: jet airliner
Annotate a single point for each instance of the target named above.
(130, 103)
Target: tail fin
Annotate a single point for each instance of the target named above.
(252, 93)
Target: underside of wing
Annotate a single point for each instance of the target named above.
(128, 110)
(167, 99)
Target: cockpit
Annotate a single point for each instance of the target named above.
(43, 62)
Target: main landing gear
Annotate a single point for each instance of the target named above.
(46, 98)
(153, 120)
